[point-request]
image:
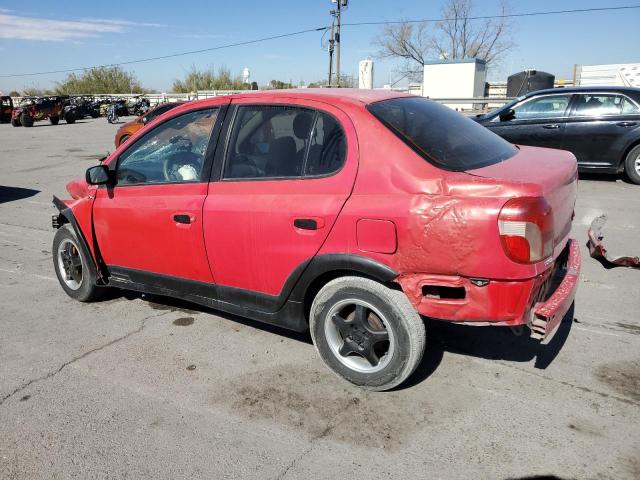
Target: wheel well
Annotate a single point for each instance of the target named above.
(626, 152)
(316, 285)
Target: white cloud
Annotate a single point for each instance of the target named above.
(124, 23)
(42, 29)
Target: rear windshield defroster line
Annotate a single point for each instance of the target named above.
(440, 135)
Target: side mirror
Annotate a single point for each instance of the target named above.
(144, 120)
(508, 115)
(98, 175)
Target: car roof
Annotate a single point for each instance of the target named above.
(585, 89)
(330, 95)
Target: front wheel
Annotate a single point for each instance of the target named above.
(367, 333)
(70, 117)
(54, 120)
(74, 267)
(632, 165)
(26, 120)
(16, 122)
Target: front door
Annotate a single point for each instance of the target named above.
(151, 220)
(287, 172)
(538, 121)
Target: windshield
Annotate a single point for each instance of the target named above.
(440, 135)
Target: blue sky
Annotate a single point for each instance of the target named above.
(114, 31)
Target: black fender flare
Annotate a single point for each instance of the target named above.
(339, 262)
(67, 216)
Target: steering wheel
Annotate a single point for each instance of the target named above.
(181, 143)
(176, 160)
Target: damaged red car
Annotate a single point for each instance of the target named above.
(354, 214)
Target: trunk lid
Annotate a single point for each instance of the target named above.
(553, 172)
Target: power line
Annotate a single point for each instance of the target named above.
(180, 54)
(492, 17)
(323, 29)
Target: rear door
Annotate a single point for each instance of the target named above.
(597, 128)
(539, 121)
(282, 179)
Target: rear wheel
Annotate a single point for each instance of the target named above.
(123, 139)
(26, 120)
(74, 267)
(632, 165)
(70, 117)
(54, 120)
(367, 333)
(16, 122)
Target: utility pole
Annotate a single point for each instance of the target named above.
(331, 42)
(337, 40)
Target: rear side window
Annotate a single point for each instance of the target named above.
(588, 105)
(440, 135)
(279, 141)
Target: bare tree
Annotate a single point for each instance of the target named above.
(410, 42)
(461, 37)
(456, 36)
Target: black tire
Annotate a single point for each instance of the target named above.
(632, 165)
(78, 284)
(54, 120)
(123, 139)
(387, 312)
(95, 114)
(16, 122)
(26, 120)
(70, 117)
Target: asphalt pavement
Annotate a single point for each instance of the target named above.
(146, 387)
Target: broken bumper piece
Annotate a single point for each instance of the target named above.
(548, 315)
(597, 250)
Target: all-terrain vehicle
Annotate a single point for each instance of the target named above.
(6, 108)
(32, 109)
(85, 107)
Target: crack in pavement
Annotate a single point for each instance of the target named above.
(142, 326)
(305, 452)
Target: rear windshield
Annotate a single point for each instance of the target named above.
(440, 135)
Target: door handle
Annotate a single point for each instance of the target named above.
(551, 126)
(181, 218)
(308, 223)
(626, 124)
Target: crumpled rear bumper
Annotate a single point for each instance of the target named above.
(547, 315)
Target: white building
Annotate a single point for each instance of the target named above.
(455, 79)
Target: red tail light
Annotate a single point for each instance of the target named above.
(526, 229)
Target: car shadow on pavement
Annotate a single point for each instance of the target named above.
(493, 343)
(9, 194)
(158, 302)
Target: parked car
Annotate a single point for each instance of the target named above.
(33, 109)
(6, 108)
(349, 213)
(129, 128)
(599, 125)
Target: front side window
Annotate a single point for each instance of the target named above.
(440, 135)
(589, 105)
(551, 106)
(172, 152)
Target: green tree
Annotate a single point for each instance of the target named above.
(100, 80)
(279, 85)
(208, 79)
(346, 81)
(14, 93)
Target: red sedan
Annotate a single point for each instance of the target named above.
(351, 213)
